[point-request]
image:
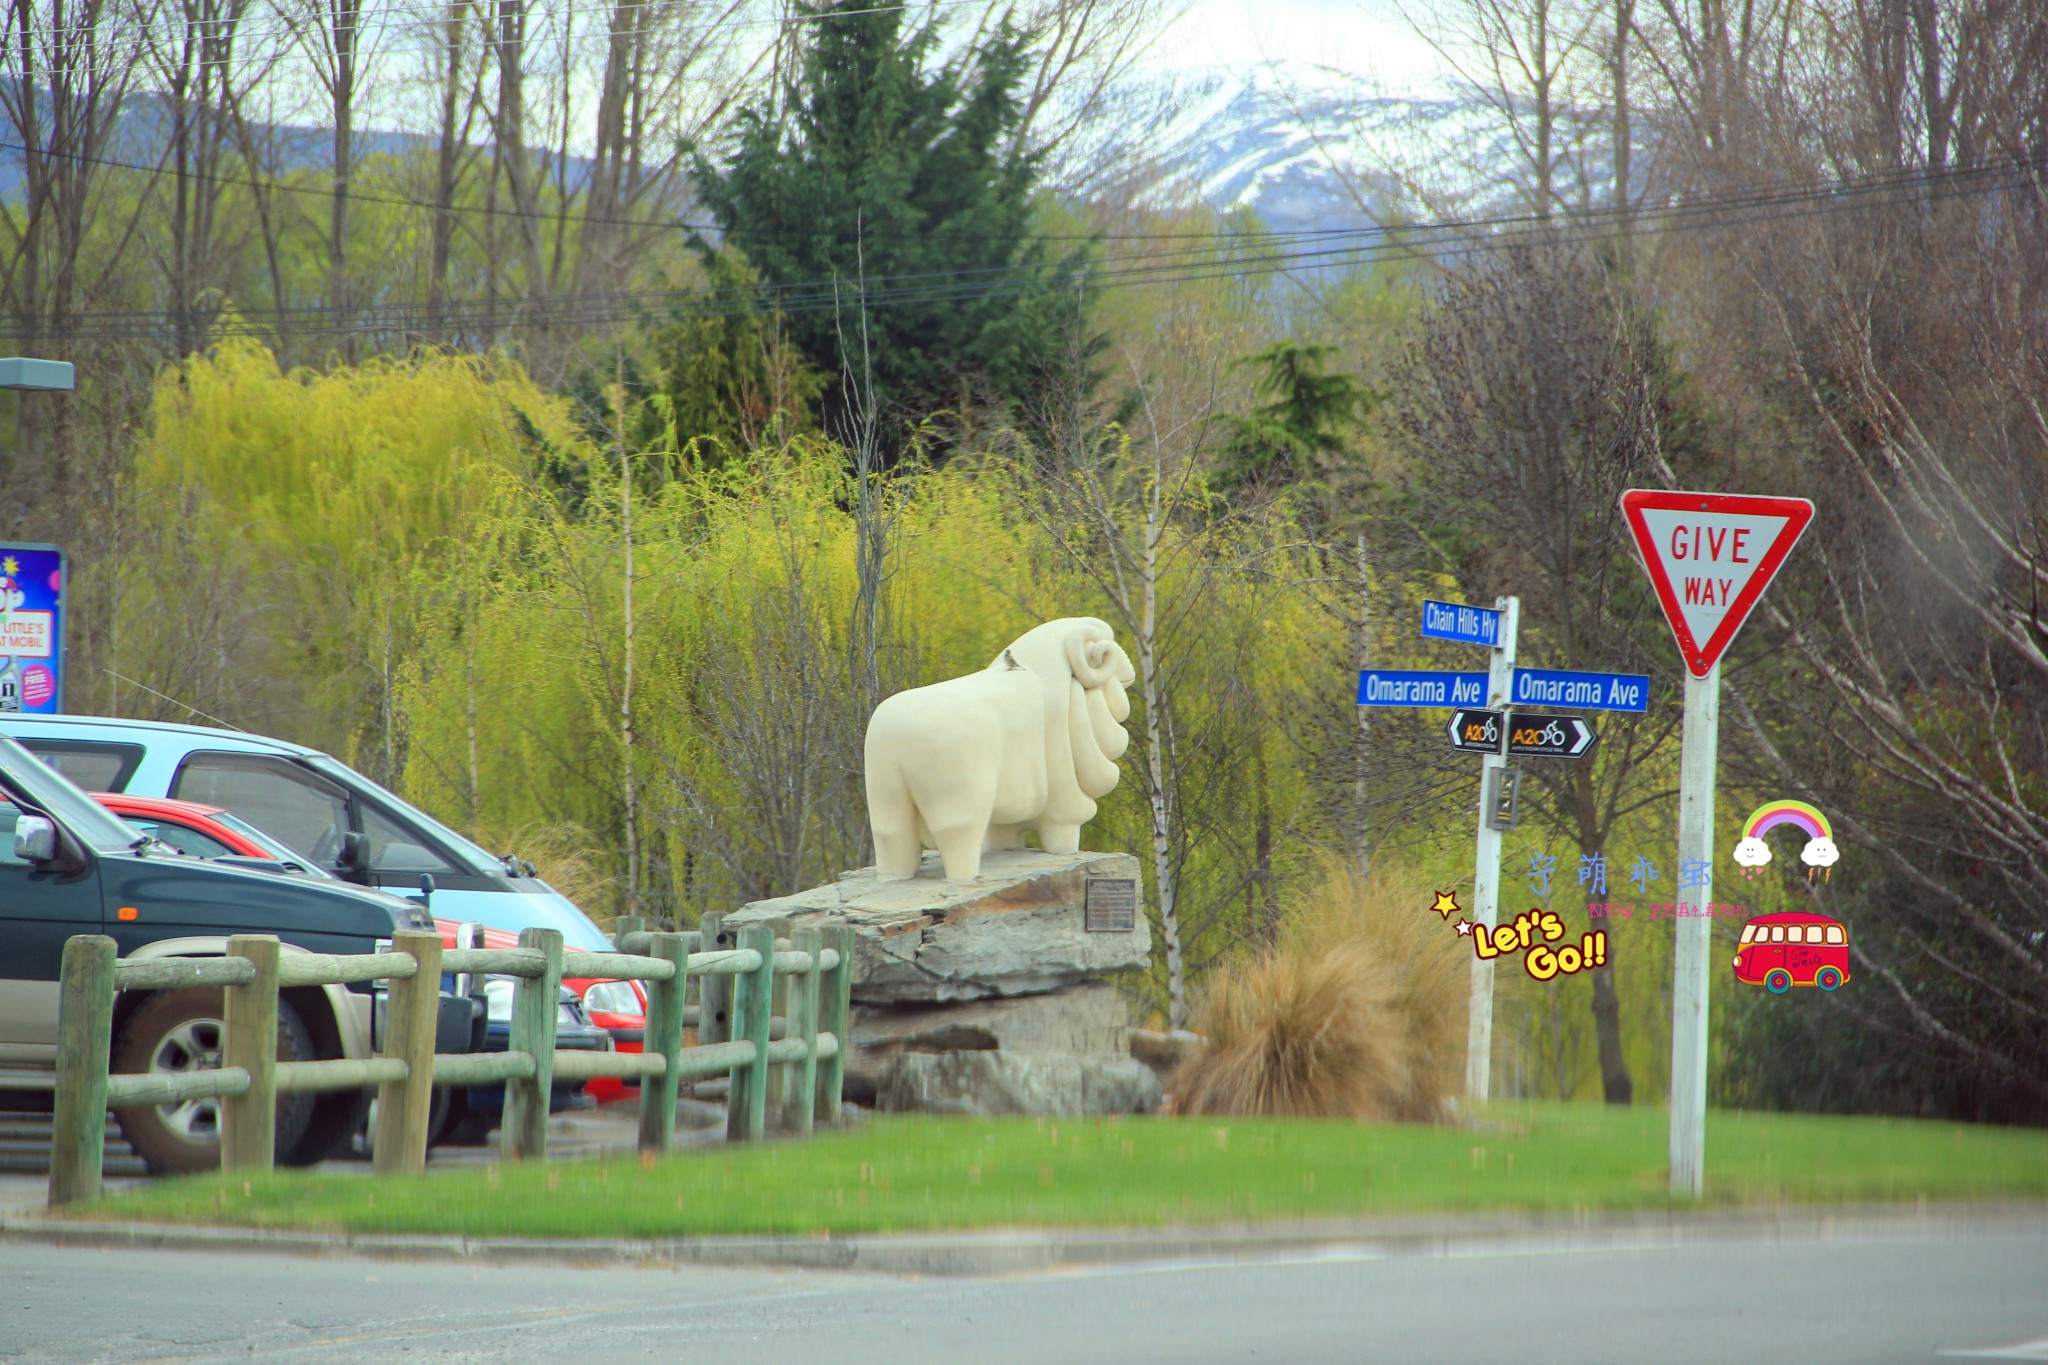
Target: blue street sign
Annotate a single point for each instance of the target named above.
(1456, 621)
(1410, 687)
(1583, 691)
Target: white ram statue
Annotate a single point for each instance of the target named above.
(1030, 742)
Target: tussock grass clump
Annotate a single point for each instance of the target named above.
(1357, 1011)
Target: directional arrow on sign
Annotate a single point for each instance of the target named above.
(1540, 734)
(1477, 732)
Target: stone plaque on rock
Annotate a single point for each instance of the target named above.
(1110, 905)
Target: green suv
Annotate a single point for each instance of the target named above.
(68, 866)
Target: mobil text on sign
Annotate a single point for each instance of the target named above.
(26, 634)
(1709, 557)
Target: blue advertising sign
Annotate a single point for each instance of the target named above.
(1456, 621)
(31, 628)
(1410, 687)
(1585, 691)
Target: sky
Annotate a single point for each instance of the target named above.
(1362, 37)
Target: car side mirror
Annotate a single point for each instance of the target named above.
(35, 839)
(355, 855)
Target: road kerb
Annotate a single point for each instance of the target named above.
(1037, 1250)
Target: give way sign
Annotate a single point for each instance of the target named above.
(1710, 556)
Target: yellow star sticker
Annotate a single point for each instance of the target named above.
(1446, 903)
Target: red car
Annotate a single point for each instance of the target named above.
(203, 831)
(1781, 951)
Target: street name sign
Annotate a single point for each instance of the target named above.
(1476, 732)
(1411, 687)
(1710, 556)
(1456, 621)
(1585, 691)
(1538, 734)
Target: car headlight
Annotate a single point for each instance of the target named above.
(498, 991)
(612, 997)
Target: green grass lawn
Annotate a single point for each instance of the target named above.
(899, 1173)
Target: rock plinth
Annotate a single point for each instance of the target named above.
(992, 1083)
(1016, 930)
(988, 996)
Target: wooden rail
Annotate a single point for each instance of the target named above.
(804, 1043)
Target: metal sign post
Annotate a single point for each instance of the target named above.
(1486, 865)
(1699, 750)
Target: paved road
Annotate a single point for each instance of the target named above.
(1877, 1298)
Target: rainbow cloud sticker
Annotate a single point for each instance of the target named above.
(1820, 853)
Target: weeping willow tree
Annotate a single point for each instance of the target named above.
(296, 528)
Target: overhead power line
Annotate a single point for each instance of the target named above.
(1754, 193)
(433, 20)
(1228, 257)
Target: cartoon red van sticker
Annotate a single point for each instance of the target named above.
(1781, 951)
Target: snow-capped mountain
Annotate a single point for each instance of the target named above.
(1308, 148)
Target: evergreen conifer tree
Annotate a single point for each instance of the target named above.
(881, 200)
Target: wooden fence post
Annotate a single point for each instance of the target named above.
(778, 1073)
(664, 1036)
(746, 1114)
(85, 1038)
(536, 1008)
(835, 1016)
(412, 1017)
(714, 993)
(800, 1081)
(248, 1127)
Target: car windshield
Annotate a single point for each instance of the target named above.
(284, 853)
(34, 783)
(463, 850)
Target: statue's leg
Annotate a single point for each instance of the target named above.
(896, 855)
(960, 850)
(893, 819)
(1005, 836)
(1060, 838)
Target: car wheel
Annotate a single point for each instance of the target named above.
(1778, 981)
(1828, 979)
(176, 1032)
(337, 1116)
(466, 1126)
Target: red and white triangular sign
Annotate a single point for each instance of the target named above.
(1710, 556)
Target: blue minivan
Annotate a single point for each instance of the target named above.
(326, 811)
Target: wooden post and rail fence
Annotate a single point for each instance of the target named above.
(738, 1036)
